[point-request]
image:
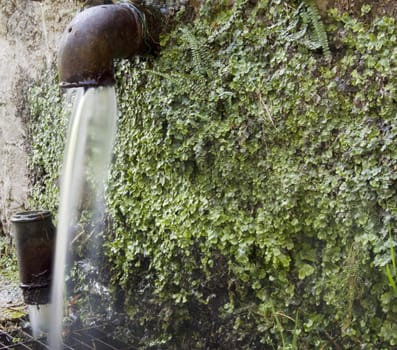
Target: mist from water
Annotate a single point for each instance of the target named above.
(91, 135)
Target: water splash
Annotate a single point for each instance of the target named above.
(39, 316)
(88, 154)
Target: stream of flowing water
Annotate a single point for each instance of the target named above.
(91, 134)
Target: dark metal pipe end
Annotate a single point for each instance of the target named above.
(102, 33)
(34, 235)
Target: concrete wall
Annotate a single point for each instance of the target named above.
(29, 32)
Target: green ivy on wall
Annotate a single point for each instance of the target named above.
(254, 182)
(47, 135)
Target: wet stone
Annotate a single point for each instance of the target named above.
(11, 300)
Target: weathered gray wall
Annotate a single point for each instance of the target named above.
(29, 32)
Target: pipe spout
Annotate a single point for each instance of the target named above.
(100, 34)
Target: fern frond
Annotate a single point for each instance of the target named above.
(238, 9)
(318, 25)
(391, 270)
(200, 53)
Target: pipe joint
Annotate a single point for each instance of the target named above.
(100, 34)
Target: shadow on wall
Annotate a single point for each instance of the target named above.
(378, 7)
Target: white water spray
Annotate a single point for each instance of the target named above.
(88, 154)
(39, 316)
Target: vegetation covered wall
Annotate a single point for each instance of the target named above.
(253, 190)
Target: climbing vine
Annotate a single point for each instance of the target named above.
(46, 134)
(252, 194)
(319, 29)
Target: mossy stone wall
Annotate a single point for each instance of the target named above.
(253, 189)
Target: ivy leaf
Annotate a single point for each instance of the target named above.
(305, 270)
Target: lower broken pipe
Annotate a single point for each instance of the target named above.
(34, 236)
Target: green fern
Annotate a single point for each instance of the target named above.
(391, 269)
(200, 58)
(199, 52)
(319, 29)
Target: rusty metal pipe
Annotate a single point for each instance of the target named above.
(34, 235)
(102, 33)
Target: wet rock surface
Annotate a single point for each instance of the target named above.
(11, 301)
